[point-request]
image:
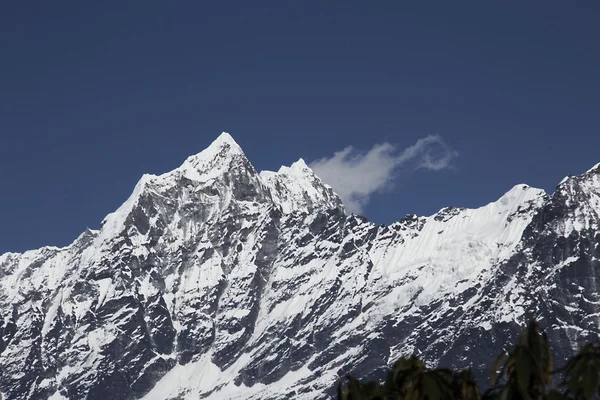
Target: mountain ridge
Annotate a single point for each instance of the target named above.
(258, 285)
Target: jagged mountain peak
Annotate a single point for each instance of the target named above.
(210, 181)
(575, 205)
(590, 173)
(297, 188)
(594, 169)
(224, 146)
(521, 193)
(299, 166)
(588, 182)
(298, 169)
(221, 145)
(221, 155)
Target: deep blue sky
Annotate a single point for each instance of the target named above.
(94, 94)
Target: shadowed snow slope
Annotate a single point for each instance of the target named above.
(214, 281)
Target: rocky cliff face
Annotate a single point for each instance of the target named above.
(215, 281)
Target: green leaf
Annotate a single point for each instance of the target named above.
(554, 395)
(575, 375)
(430, 388)
(589, 382)
(524, 369)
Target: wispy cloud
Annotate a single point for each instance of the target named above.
(355, 176)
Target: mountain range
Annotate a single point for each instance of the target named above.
(215, 281)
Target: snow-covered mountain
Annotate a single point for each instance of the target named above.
(215, 281)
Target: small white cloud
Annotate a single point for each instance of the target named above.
(356, 176)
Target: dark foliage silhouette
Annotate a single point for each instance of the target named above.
(526, 373)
